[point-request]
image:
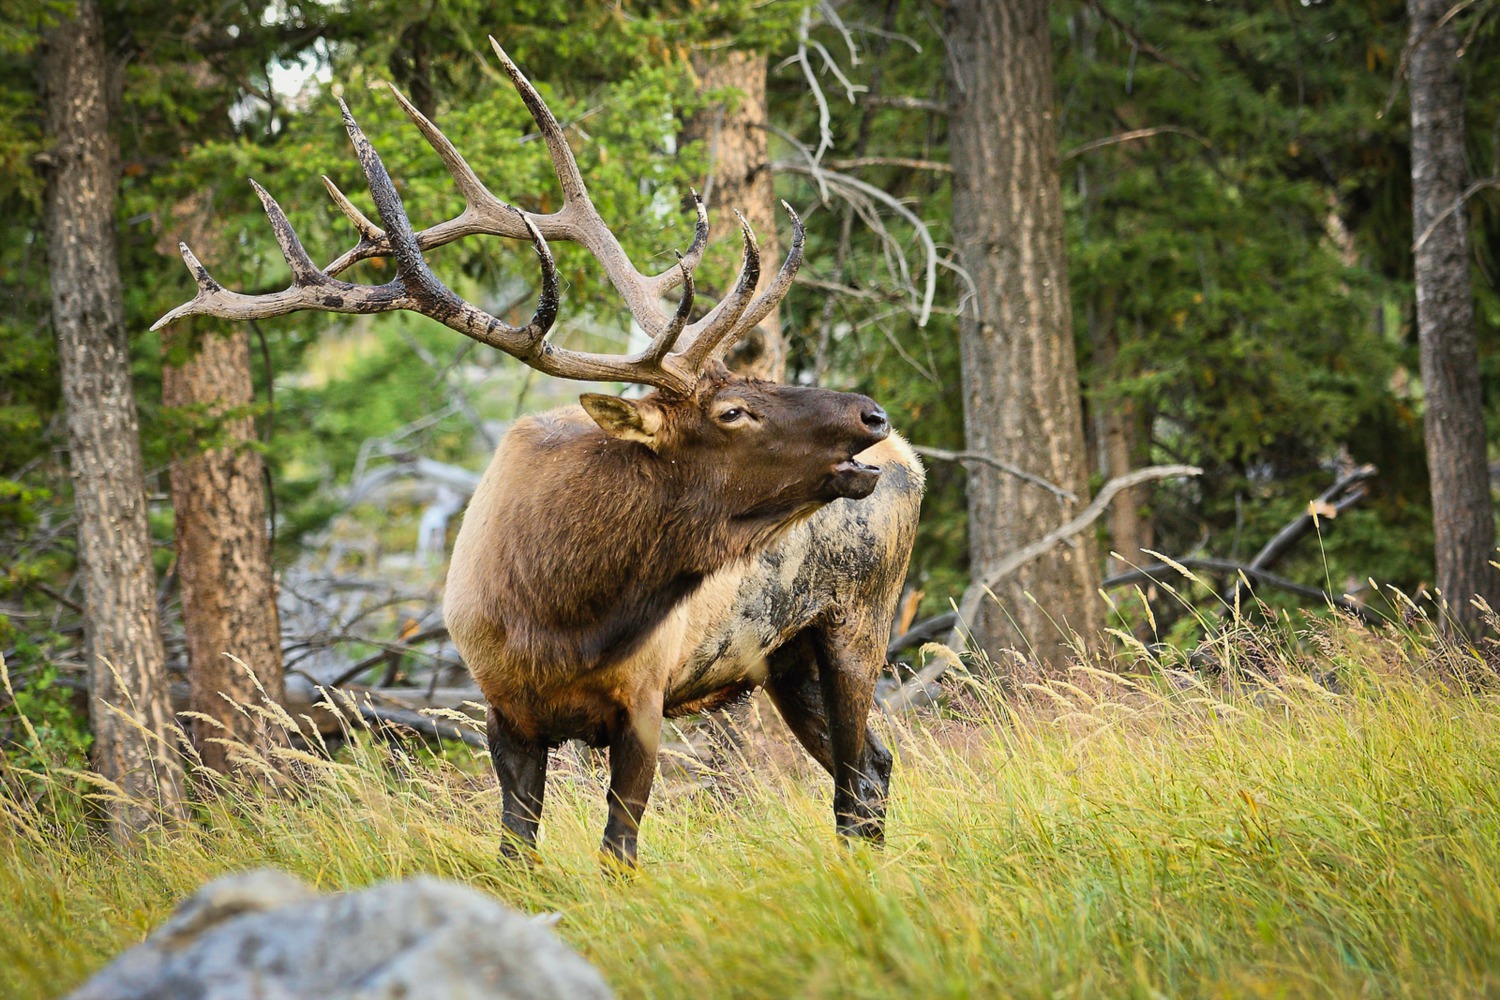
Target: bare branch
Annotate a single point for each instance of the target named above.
(1346, 491)
(1457, 205)
(1134, 135)
(922, 690)
(908, 103)
(975, 595)
(847, 184)
(1140, 43)
(1411, 45)
(1161, 572)
(936, 166)
(825, 116)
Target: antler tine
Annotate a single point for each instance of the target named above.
(719, 324)
(694, 255)
(398, 228)
(763, 303)
(368, 231)
(768, 300)
(662, 345)
(207, 288)
(580, 222)
(304, 271)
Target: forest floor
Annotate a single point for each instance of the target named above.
(1335, 833)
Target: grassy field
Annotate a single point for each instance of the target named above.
(1154, 836)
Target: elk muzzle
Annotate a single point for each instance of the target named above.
(853, 479)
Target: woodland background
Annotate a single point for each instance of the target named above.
(1236, 191)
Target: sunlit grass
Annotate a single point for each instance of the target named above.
(1154, 835)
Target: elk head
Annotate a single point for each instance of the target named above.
(778, 448)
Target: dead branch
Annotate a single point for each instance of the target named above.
(1140, 43)
(1346, 491)
(1164, 573)
(1132, 136)
(920, 632)
(857, 193)
(910, 163)
(975, 595)
(922, 690)
(1458, 204)
(907, 103)
(390, 650)
(1414, 43)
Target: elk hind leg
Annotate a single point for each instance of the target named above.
(797, 689)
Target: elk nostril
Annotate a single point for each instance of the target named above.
(875, 419)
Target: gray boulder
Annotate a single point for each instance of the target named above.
(266, 936)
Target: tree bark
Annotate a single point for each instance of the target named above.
(1463, 513)
(122, 640)
(1020, 383)
(223, 549)
(734, 133)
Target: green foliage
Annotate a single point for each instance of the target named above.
(58, 734)
(1218, 288)
(1117, 836)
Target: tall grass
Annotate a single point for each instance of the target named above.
(1102, 836)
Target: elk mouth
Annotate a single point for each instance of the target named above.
(855, 480)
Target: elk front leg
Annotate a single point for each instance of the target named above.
(861, 766)
(521, 767)
(632, 768)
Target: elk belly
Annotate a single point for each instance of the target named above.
(737, 619)
(719, 658)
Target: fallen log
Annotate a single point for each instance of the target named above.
(1345, 492)
(1165, 573)
(974, 596)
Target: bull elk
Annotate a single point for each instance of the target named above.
(627, 560)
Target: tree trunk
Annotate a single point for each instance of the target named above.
(122, 640)
(1462, 509)
(223, 551)
(738, 178)
(1020, 382)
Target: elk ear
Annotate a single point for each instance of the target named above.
(625, 419)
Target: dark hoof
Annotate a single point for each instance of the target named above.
(616, 865)
(515, 854)
(869, 831)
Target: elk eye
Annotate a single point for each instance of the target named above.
(732, 414)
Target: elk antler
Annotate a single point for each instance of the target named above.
(417, 289)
